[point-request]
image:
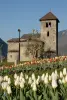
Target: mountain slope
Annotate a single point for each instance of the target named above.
(62, 42)
(4, 47)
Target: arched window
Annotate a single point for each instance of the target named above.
(49, 24)
(46, 24)
(47, 33)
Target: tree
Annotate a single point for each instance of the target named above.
(35, 48)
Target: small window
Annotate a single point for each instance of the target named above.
(49, 24)
(46, 24)
(47, 33)
(10, 56)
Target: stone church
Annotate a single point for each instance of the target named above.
(36, 45)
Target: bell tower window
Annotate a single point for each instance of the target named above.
(48, 34)
(49, 24)
(46, 24)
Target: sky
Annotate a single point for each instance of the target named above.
(25, 14)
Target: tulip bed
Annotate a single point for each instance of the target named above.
(42, 87)
(36, 66)
(44, 79)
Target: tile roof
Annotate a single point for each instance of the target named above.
(24, 38)
(16, 40)
(13, 39)
(49, 16)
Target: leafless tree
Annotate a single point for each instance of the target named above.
(34, 48)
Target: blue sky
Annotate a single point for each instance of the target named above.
(25, 14)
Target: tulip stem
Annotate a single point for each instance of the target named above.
(16, 93)
(35, 95)
(54, 91)
(4, 97)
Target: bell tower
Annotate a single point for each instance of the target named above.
(49, 32)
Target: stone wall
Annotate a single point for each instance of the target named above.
(23, 56)
(13, 46)
(23, 49)
(12, 56)
(50, 41)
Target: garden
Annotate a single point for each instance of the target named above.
(40, 79)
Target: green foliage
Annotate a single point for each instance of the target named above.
(43, 92)
(36, 68)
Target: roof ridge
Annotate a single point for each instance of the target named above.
(49, 16)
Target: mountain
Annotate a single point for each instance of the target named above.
(3, 48)
(62, 42)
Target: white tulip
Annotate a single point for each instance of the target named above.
(33, 76)
(21, 74)
(30, 80)
(15, 75)
(42, 77)
(34, 88)
(46, 80)
(66, 78)
(20, 78)
(9, 81)
(63, 80)
(39, 77)
(60, 81)
(17, 81)
(56, 76)
(53, 75)
(50, 78)
(61, 74)
(46, 75)
(26, 76)
(56, 73)
(64, 71)
(21, 84)
(54, 83)
(31, 84)
(9, 89)
(23, 80)
(6, 78)
(4, 85)
(38, 80)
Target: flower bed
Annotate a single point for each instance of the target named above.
(42, 87)
(45, 83)
(36, 66)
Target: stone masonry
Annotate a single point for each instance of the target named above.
(50, 41)
(48, 35)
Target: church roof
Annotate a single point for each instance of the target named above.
(13, 40)
(49, 16)
(24, 38)
(16, 40)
